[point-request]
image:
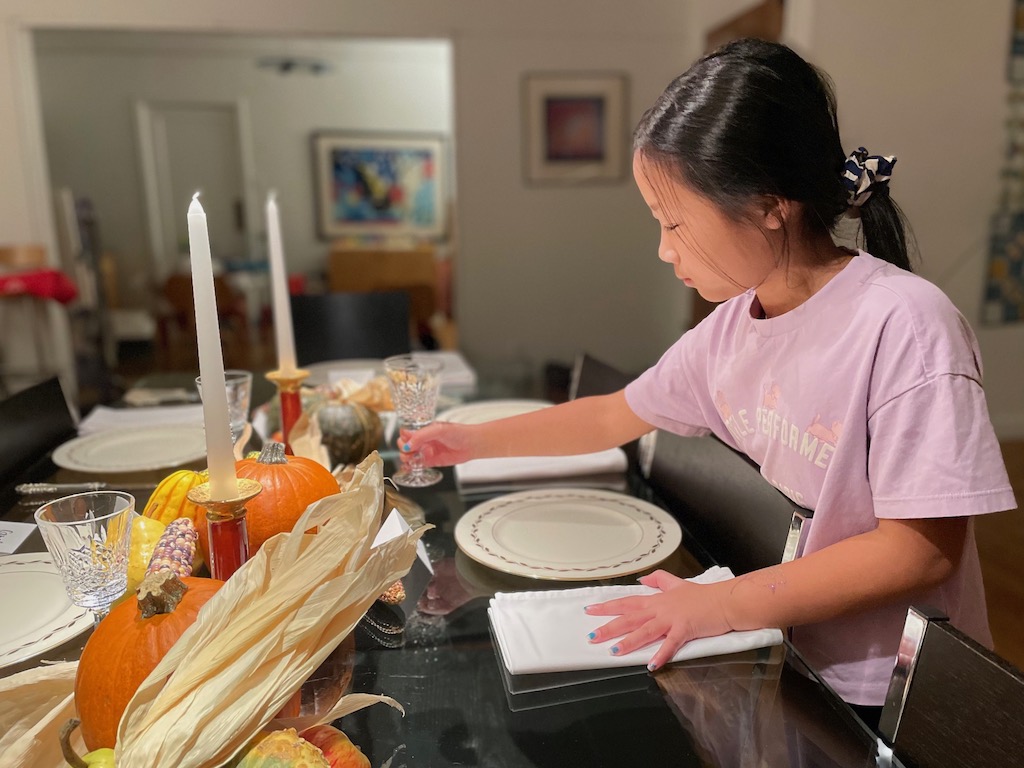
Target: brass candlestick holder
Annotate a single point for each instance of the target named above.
(225, 520)
(289, 392)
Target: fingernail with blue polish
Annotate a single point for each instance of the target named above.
(406, 447)
(615, 649)
(652, 666)
(592, 635)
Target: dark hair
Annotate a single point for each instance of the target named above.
(753, 119)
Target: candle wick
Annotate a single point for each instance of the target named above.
(196, 196)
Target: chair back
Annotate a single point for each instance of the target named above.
(951, 701)
(33, 422)
(719, 496)
(591, 376)
(338, 326)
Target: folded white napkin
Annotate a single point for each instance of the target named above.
(547, 631)
(540, 467)
(102, 418)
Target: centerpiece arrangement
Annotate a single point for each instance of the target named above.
(196, 673)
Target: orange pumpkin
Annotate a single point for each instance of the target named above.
(290, 484)
(128, 644)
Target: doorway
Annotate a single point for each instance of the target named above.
(187, 147)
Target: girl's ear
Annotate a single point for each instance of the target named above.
(775, 212)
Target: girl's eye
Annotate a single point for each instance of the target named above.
(670, 227)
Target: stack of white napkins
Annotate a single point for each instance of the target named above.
(547, 631)
(541, 467)
(102, 418)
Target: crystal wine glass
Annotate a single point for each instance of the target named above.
(415, 382)
(238, 385)
(88, 536)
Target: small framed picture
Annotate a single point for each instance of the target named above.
(574, 127)
(379, 185)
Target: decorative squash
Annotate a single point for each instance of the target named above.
(169, 499)
(146, 532)
(351, 431)
(128, 644)
(281, 749)
(290, 484)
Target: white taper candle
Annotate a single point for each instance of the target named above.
(219, 454)
(279, 290)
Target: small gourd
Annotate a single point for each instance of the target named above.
(281, 749)
(350, 431)
(169, 499)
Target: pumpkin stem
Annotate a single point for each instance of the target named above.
(70, 756)
(160, 592)
(272, 453)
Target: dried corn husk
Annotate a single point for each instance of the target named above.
(265, 632)
(34, 704)
(306, 440)
(375, 394)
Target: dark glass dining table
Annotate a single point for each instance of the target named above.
(757, 708)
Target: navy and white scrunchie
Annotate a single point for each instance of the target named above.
(864, 174)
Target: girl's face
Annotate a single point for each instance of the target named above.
(708, 251)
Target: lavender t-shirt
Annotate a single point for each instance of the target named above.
(864, 402)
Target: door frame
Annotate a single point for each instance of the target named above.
(154, 177)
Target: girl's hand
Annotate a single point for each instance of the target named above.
(440, 444)
(682, 612)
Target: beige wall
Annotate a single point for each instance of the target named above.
(926, 81)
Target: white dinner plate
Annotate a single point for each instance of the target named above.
(133, 450)
(320, 373)
(568, 534)
(490, 410)
(37, 613)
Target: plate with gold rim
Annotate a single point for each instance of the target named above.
(133, 450)
(39, 615)
(568, 534)
(490, 410)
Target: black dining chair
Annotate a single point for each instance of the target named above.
(720, 498)
(951, 701)
(339, 326)
(33, 422)
(591, 376)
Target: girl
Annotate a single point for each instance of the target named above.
(854, 384)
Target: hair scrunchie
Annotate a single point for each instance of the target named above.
(864, 174)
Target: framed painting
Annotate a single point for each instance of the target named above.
(379, 185)
(574, 127)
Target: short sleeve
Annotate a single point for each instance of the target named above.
(665, 396)
(933, 453)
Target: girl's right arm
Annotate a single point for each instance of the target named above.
(580, 426)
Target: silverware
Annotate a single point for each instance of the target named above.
(37, 489)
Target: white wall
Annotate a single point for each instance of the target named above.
(926, 81)
(541, 272)
(90, 81)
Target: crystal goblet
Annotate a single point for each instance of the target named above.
(238, 385)
(89, 535)
(415, 383)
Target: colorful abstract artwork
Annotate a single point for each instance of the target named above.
(379, 185)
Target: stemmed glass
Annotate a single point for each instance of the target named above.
(415, 382)
(88, 536)
(239, 390)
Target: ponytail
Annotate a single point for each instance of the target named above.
(885, 231)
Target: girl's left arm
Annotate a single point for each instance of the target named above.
(897, 559)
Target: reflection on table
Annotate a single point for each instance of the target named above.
(761, 707)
